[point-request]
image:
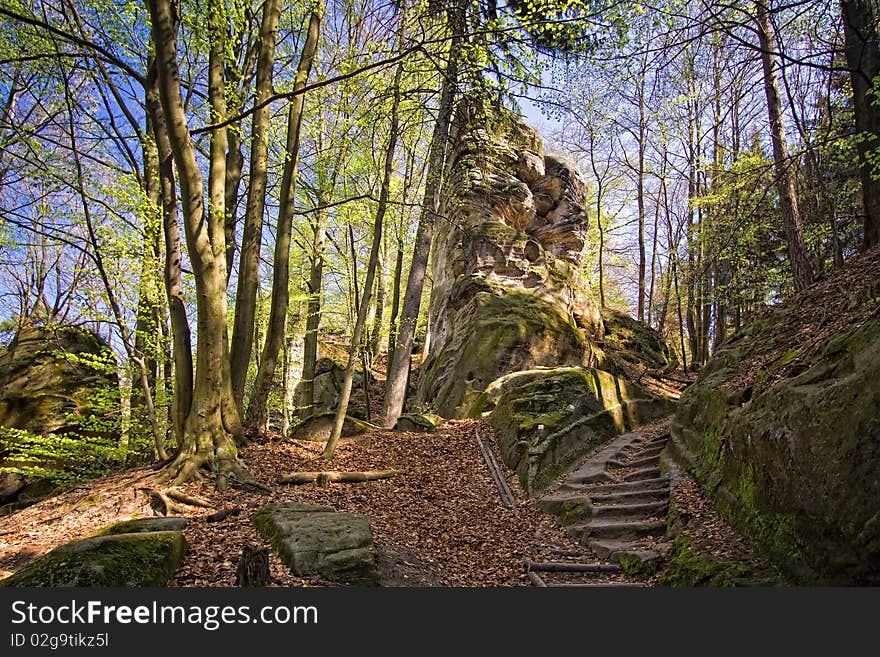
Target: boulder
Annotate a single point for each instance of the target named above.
(317, 541)
(49, 378)
(635, 342)
(142, 559)
(546, 420)
(145, 525)
(329, 375)
(789, 449)
(418, 422)
(508, 293)
(318, 427)
(59, 409)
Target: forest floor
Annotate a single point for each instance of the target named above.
(439, 523)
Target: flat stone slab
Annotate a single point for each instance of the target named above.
(140, 559)
(317, 541)
(142, 525)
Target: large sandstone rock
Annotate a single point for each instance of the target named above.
(791, 454)
(319, 427)
(138, 559)
(49, 378)
(508, 293)
(635, 342)
(545, 420)
(316, 540)
(58, 408)
(329, 375)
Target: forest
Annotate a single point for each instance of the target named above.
(285, 253)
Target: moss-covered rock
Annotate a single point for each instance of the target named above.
(59, 410)
(318, 427)
(791, 454)
(689, 567)
(508, 292)
(329, 376)
(316, 541)
(418, 422)
(550, 418)
(144, 525)
(496, 333)
(142, 559)
(635, 342)
(49, 378)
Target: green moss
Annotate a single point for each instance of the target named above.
(572, 511)
(688, 567)
(553, 417)
(636, 565)
(148, 559)
(506, 328)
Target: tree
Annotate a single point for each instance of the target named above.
(212, 425)
(249, 264)
(860, 18)
(802, 271)
(399, 366)
(280, 290)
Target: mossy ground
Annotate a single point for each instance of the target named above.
(690, 567)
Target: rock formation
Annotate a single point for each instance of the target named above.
(54, 382)
(508, 293)
(49, 376)
(140, 552)
(513, 325)
(783, 430)
(318, 541)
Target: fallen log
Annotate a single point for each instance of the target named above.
(333, 476)
(223, 514)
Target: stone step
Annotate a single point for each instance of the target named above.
(640, 452)
(642, 474)
(591, 473)
(642, 462)
(625, 529)
(635, 497)
(640, 510)
(612, 549)
(563, 505)
(635, 585)
(658, 483)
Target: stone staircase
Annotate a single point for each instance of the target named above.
(616, 503)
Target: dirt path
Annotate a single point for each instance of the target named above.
(440, 523)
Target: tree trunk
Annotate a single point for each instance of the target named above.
(372, 265)
(212, 424)
(863, 59)
(249, 263)
(280, 276)
(181, 337)
(146, 338)
(395, 305)
(379, 307)
(640, 197)
(398, 368)
(313, 314)
(801, 270)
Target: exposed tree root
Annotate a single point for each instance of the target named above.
(191, 467)
(335, 476)
(191, 500)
